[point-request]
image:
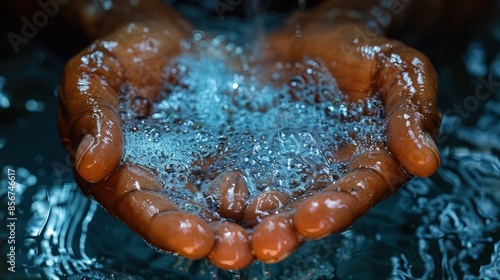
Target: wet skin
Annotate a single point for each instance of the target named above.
(261, 229)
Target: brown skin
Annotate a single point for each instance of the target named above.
(275, 238)
(90, 125)
(232, 249)
(229, 192)
(264, 205)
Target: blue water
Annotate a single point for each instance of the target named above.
(442, 227)
(279, 140)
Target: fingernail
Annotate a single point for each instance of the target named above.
(86, 143)
(429, 142)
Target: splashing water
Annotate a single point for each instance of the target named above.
(281, 138)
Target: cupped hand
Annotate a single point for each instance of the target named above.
(91, 130)
(136, 54)
(366, 64)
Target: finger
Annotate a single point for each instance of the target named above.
(89, 102)
(229, 193)
(134, 196)
(408, 89)
(275, 238)
(232, 249)
(264, 205)
(91, 82)
(371, 177)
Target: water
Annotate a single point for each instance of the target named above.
(442, 227)
(450, 230)
(282, 137)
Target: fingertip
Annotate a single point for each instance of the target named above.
(421, 158)
(182, 233)
(275, 238)
(412, 145)
(232, 249)
(324, 214)
(95, 159)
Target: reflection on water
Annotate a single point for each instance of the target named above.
(451, 230)
(458, 230)
(442, 227)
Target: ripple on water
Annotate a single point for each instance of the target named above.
(458, 229)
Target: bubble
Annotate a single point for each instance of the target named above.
(198, 35)
(280, 137)
(140, 106)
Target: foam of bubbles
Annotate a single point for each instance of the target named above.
(210, 119)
